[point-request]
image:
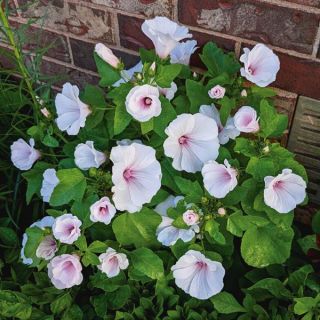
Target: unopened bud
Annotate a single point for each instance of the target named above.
(222, 211)
(266, 149)
(45, 112)
(93, 172)
(244, 93)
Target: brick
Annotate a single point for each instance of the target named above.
(279, 26)
(81, 21)
(61, 74)
(310, 3)
(147, 8)
(298, 75)
(83, 55)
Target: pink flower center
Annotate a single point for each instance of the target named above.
(147, 102)
(183, 140)
(103, 211)
(278, 185)
(220, 128)
(251, 70)
(201, 264)
(128, 174)
(70, 228)
(68, 267)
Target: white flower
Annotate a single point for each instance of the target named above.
(169, 92)
(45, 222)
(198, 276)
(72, 112)
(261, 65)
(102, 211)
(143, 103)
(190, 217)
(217, 92)
(24, 155)
(285, 191)
(66, 228)
(165, 34)
(229, 131)
(127, 75)
(86, 156)
(167, 234)
(183, 51)
(47, 248)
(192, 140)
(106, 54)
(219, 179)
(136, 175)
(112, 262)
(245, 120)
(49, 182)
(65, 271)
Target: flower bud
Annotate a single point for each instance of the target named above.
(266, 149)
(107, 55)
(244, 93)
(217, 92)
(190, 217)
(222, 211)
(45, 112)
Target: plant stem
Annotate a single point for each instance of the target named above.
(19, 58)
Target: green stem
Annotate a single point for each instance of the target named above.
(19, 59)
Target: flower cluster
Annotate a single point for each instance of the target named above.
(159, 155)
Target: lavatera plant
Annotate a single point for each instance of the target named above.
(160, 178)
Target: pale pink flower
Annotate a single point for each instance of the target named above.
(183, 51)
(143, 103)
(66, 228)
(47, 248)
(219, 179)
(198, 276)
(165, 34)
(190, 217)
(106, 54)
(192, 141)
(227, 132)
(136, 175)
(72, 112)
(217, 92)
(49, 182)
(45, 222)
(285, 191)
(245, 120)
(24, 155)
(65, 271)
(112, 262)
(261, 65)
(102, 211)
(166, 233)
(86, 156)
(169, 92)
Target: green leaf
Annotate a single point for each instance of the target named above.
(121, 118)
(81, 243)
(191, 189)
(212, 227)
(305, 304)
(263, 92)
(147, 126)
(34, 178)
(298, 278)
(61, 303)
(166, 74)
(227, 105)
(167, 115)
(99, 304)
(35, 236)
(108, 74)
(147, 55)
(179, 223)
(50, 141)
(8, 236)
(90, 258)
(217, 61)
(168, 175)
(235, 196)
(14, 305)
(225, 303)
(266, 245)
(269, 288)
(246, 147)
(138, 229)
(197, 95)
(259, 168)
(72, 185)
(271, 123)
(147, 262)
(97, 246)
(118, 298)
(74, 312)
(316, 222)
(101, 281)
